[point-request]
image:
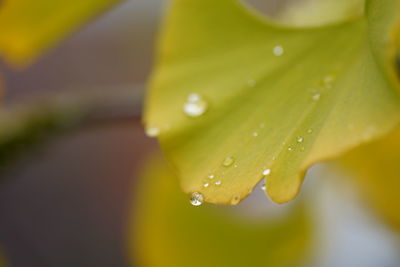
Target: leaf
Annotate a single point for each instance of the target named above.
(316, 12)
(376, 168)
(277, 98)
(168, 231)
(27, 28)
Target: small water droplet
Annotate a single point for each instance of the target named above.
(218, 182)
(328, 80)
(195, 106)
(316, 96)
(206, 185)
(300, 139)
(228, 161)
(251, 83)
(263, 186)
(235, 166)
(290, 148)
(278, 50)
(266, 172)
(255, 134)
(235, 200)
(196, 199)
(152, 131)
(211, 176)
(309, 131)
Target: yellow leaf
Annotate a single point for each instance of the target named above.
(169, 232)
(376, 167)
(29, 27)
(234, 95)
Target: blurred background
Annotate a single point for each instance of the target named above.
(69, 200)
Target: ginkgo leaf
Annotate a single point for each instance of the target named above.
(236, 96)
(167, 231)
(29, 27)
(317, 12)
(376, 169)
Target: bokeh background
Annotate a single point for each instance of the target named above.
(68, 201)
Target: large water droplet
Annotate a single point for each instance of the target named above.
(152, 131)
(228, 161)
(278, 50)
(196, 199)
(195, 105)
(235, 200)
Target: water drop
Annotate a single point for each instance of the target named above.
(228, 161)
(300, 139)
(235, 166)
(263, 186)
(278, 50)
(195, 106)
(196, 199)
(251, 83)
(211, 176)
(290, 148)
(316, 96)
(266, 172)
(218, 182)
(152, 131)
(206, 185)
(255, 134)
(235, 200)
(309, 131)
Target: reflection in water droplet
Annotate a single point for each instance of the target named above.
(235, 200)
(206, 185)
(211, 176)
(266, 172)
(278, 50)
(196, 199)
(218, 182)
(195, 106)
(228, 161)
(152, 131)
(300, 139)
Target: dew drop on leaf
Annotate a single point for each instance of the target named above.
(206, 185)
(211, 176)
(195, 105)
(278, 50)
(316, 96)
(228, 161)
(266, 172)
(235, 200)
(152, 131)
(218, 182)
(300, 139)
(196, 199)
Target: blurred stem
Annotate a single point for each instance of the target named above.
(32, 122)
